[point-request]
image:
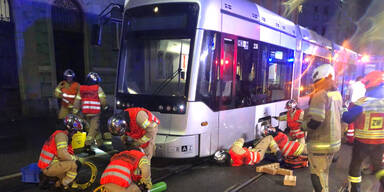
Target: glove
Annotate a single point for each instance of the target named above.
(146, 182)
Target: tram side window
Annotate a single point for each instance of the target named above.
(208, 69)
(225, 84)
(310, 62)
(280, 64)
(246, 69)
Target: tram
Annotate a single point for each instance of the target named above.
(212, 70)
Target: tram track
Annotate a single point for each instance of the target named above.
(182, 169)
(239, 186)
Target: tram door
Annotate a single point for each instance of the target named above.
(232, 120)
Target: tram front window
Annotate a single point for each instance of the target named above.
(155, 51)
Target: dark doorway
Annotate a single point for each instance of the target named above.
(10, 105)
(67, 22)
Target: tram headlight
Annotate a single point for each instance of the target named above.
(181, 108)
(161, 107)
(174, 108)
(168, 108)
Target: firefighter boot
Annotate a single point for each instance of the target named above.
(354, 187)
(279, 156)
(316, 183)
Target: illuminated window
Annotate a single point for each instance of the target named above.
(4, 11)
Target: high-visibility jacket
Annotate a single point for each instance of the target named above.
(294, 125)
(325, 107)
(49, 151)
(90, 101)
(368, 117)
(288, 148)
(247, 158)
(136, 131)
(120, 170)
(69, 94)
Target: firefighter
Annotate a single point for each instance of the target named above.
(239, 155)
(367, 115)
(323, 123)
(128, 171)
(139, 124)
(57, 158)
(294, 118)
(66, 91)
(91, 99)
(287, 147)
(354, 92)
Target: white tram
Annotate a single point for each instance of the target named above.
(211, 69)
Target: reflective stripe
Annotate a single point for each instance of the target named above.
(91, 107)
(380, 174)
(69, 96)
(354, 179)
(252, 158)
(127, 171)
(92, 102)
(116, 174)
(289, 150)
(47, 161)
(145, 139)
(285, 146)
(317, 112)
(63, 99)
(296, 130)
(144, 161)
(71, 174)
(320, 145)
(299, 150)
(61, 146)
(49, 154)
(145, 124)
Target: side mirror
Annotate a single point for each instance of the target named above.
(96, 35)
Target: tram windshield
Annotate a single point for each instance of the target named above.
(156, 49)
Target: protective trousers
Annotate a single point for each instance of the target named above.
(66, 171)
(263, 145)
(94, 135)
(359, 153)
(319, 164)
(111, 187)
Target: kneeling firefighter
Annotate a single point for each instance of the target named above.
(294, 118)
(128, 171)
(239, 155)
(367, 115)
(57, 158)
(139, 124)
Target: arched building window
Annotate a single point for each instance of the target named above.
(4, 11)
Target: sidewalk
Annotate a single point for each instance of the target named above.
(21, 142)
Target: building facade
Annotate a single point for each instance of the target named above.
(40, 40)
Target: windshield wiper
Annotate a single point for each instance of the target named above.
(167, 81)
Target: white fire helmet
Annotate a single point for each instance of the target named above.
(323, 71)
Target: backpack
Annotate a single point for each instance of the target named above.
(292, 162)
